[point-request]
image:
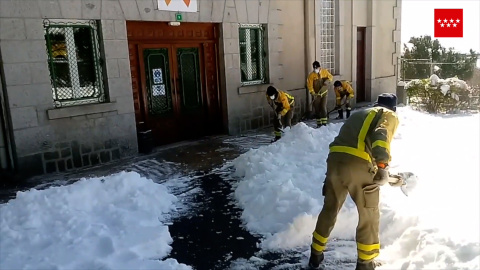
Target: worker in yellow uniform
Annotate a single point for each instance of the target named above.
(317, 83)
(282, 103)
(358, 165)
(343, 89)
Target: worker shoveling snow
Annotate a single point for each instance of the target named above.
(434, 227)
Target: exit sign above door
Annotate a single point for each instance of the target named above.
(178, 5)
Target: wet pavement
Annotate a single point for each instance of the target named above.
(213, 235)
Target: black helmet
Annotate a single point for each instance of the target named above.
(387, 100)
(337, 84)
(272, 91)
(316, 64)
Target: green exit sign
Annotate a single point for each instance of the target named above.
(179, 17)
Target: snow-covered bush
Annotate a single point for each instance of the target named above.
(441, 95)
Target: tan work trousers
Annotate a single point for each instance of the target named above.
(320, 107)
(355, 177)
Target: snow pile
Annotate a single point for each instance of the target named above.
(113, 222)
(436, 227)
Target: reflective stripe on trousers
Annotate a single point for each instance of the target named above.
(367, 252)
(319, 242)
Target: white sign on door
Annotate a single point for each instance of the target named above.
(178, 5)
(158, 90)
(157, 75)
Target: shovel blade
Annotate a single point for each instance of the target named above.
(410, 182)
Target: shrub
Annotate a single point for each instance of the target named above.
(437, 95)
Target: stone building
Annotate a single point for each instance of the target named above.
(81, 78)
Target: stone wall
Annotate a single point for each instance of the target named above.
(70, 155)
(40, 130)
(247, 107)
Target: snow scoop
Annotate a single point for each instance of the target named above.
(409, 179)
(276, 115)
(308, 115)
(334, 109)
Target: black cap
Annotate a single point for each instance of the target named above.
(271, 91)
(387, 100)
(316, 64)
(337, 83)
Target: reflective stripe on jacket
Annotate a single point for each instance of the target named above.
(367, 134)
(313, 76)
(283, 102)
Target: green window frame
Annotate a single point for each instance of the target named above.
(75, 62)
(253, 54)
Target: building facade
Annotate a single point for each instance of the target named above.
(81, 78)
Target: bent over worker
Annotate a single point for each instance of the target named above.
(282, 103)
(317, 83)
(343, 89)
(358, 165)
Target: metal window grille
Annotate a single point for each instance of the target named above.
(327, 35)
(74, 62)
(253, 66)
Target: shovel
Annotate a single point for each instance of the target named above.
(410, 181)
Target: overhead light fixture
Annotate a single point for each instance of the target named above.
(174, 23)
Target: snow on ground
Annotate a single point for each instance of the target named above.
(436, 227)
(113, 222)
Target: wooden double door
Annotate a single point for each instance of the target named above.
(175, 81)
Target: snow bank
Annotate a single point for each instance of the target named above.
(113, 222)
(436, 227)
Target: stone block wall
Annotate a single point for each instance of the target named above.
(247, 107)
(44, 135)
(70, 155)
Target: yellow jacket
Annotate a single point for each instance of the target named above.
(282, 103)
(346, 90)
(367, 135)
(323, 76)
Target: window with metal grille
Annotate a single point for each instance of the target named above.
(253, 54)
(327, 35)
(74, 62)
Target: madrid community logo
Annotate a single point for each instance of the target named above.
(448, 23)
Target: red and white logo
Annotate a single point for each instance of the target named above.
(448, 23)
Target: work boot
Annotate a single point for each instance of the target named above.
(340, 114)
(276, 139)
(371, 265)
(315, 260)
(348, 112)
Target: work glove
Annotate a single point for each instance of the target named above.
(400, 181)
(381, 177)
(279, 116)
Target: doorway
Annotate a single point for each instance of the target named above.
(361, 92)
(175, 79)
(7, 161)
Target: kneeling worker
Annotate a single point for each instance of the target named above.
(282, 103)
(343, 89)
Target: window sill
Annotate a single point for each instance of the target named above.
(81, 110)
(248, 89)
